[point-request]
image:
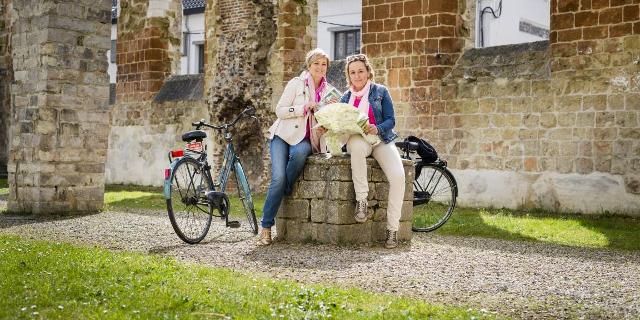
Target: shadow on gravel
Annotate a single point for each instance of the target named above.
(8, 220)
(319, 257)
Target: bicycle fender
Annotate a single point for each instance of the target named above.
(167, 182)
(243, 180)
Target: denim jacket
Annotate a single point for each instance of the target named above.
(382, 105)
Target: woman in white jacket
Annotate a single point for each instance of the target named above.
(292, 139)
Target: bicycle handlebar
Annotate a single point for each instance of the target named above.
(250, 111)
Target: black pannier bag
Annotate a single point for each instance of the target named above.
(426, 151)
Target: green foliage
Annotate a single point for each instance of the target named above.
(67, 282)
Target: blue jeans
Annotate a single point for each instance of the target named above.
(287, 162)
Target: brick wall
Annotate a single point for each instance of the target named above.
(531, 125)
(147, 47)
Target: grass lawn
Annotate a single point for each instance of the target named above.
(53, 280)
(4, 187)
(564, 229)
(122, 197)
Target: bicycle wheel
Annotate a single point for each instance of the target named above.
(188, 208)
(434, 197)
(244, 192)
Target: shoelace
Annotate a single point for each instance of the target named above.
(391, 234)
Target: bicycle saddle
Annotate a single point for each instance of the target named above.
(194, 135)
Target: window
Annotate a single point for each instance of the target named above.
(113, 51)
(346, 43)
(200, 58)
(185, 43)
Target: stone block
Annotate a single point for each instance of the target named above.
(343, 234)
(295, 209)
(311, 189)
(341, 190)
(318, 210)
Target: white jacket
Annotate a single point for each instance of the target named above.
(291, 122)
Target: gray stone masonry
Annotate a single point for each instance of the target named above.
(321, 208)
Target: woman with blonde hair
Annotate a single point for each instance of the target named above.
(292, 137)
(373, 100)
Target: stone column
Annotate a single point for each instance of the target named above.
(6, 77)
(148, 47)
(60, 98)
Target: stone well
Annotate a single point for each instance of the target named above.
(322, 205)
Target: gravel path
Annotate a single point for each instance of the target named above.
(519, 279)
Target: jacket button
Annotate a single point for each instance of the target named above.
(296, 126)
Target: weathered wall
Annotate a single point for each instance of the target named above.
(148, 49)
(254, 48)
(142, 135)
(142, 130)
(527, 125)
(60, 94)
(6, 77)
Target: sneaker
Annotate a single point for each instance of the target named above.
(265, 237)
(361, 213)
(392, 239)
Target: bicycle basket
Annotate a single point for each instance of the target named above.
(426, 151)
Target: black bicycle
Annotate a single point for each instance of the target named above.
(193, 197)
(434, 190)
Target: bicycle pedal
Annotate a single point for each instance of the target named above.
(233, 224)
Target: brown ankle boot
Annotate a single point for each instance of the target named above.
(265, 237)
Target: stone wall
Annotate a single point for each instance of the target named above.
(142, 135)
(321, 208)
(59, 98)
(537, 125)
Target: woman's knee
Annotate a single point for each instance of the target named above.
(357, 146)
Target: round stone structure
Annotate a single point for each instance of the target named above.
(321, 207)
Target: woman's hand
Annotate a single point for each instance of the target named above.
(310, 107)
(372, 129)
(334, 100)
(321, 130)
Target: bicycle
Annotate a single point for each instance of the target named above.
(434, 190)
(192, 196)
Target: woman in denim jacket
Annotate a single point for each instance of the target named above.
(374, 100)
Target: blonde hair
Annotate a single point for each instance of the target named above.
(358, 57)
(315, 55)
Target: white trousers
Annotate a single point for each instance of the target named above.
(389, 160)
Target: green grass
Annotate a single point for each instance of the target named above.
(4, 187)
(123, 197)
(53, 280)
(564, 229)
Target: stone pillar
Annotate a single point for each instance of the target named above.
(6, 77)
(60, 98)
(322, 205)
(148, 47)
(240, 36)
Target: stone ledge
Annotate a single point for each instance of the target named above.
(321, 206)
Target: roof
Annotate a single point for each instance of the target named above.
(193, 4)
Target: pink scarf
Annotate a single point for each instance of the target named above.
(314, 139)
(363, 105)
